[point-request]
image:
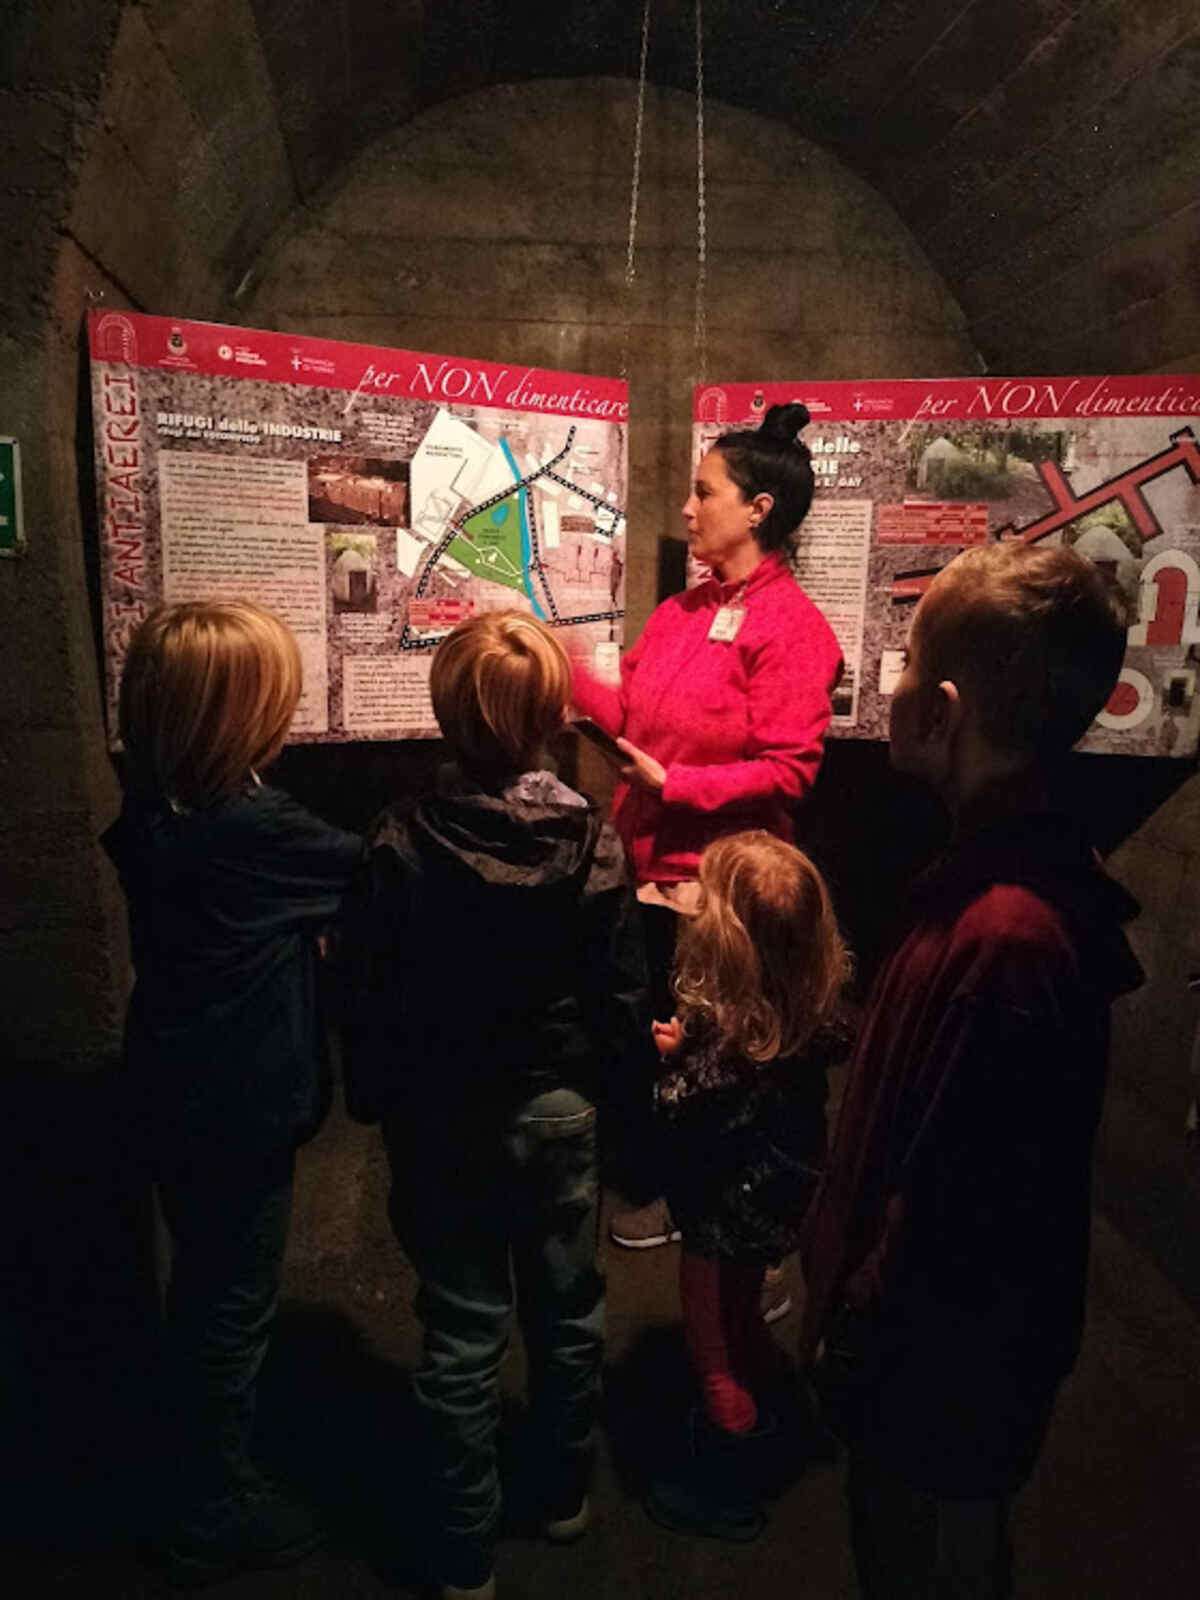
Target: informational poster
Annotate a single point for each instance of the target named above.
(910, 472)
(372, 498)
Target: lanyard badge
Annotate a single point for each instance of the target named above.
(725, 624)
(728, 619)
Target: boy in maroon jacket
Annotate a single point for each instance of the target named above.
(946, 1252)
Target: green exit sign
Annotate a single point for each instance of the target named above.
(12, 522)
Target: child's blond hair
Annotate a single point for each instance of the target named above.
(763, 958)
(501, 683)
(1035, 635)
(208, 693)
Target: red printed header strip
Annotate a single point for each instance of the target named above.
(958, 399)
(366, 372)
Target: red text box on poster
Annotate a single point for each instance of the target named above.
(936, 522)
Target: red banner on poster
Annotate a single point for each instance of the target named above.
(216, 350)
(736, 405)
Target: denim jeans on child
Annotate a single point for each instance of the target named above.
(228, 1220)
(493, 1202)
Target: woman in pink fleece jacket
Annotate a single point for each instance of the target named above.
(724, 700)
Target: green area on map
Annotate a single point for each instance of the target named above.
(490, 543)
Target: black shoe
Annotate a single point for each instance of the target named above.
(686, 1505)
(714, 1490)
(261, 1525)
(803, 1438)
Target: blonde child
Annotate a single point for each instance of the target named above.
(758, 976)
(495, 937)
(228, 883)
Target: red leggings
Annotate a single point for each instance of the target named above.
(726, 1338)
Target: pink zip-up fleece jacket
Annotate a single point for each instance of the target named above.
(739, 726)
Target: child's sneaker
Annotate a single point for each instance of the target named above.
(568, 1523)
(484, 1591)
(775, 1302)
(644, 1228)
(261, 1525)
(713, 1490)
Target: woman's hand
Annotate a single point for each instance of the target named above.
(643, 770)
(667, 1036)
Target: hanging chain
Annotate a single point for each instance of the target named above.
(701, 328)
(634, 190)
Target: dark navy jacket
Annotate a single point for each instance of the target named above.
(223, 1042)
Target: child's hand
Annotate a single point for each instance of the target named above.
(667, 1036)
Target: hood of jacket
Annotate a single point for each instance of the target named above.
(526, 832)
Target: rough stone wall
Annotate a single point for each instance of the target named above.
(61, 970)
(1149, 1176)
(150, 168)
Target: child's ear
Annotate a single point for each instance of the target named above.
(951, 700)
(943, 712)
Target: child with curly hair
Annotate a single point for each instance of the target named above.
(759, 972)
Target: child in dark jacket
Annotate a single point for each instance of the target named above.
(229, 884)
(946, 1253)
(759, 972)
(494, 943)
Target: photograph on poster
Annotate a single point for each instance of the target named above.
(357, 489)
(352, 562)
(909, 472)
(373, 498)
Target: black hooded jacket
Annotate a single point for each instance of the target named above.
(492, 947)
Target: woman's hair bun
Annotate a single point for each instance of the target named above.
(782, 423)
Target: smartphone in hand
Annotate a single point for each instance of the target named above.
(604, 742)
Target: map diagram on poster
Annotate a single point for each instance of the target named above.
(910, 472)
(373, 498)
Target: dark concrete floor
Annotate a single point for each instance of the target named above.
(1112, 1512)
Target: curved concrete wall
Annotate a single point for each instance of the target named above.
(496, 226)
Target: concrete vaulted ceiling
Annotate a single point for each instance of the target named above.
(1045, 153)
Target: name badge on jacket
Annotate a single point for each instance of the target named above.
(725, 624)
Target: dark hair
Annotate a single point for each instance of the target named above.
(771, 460)
(1035, 634)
